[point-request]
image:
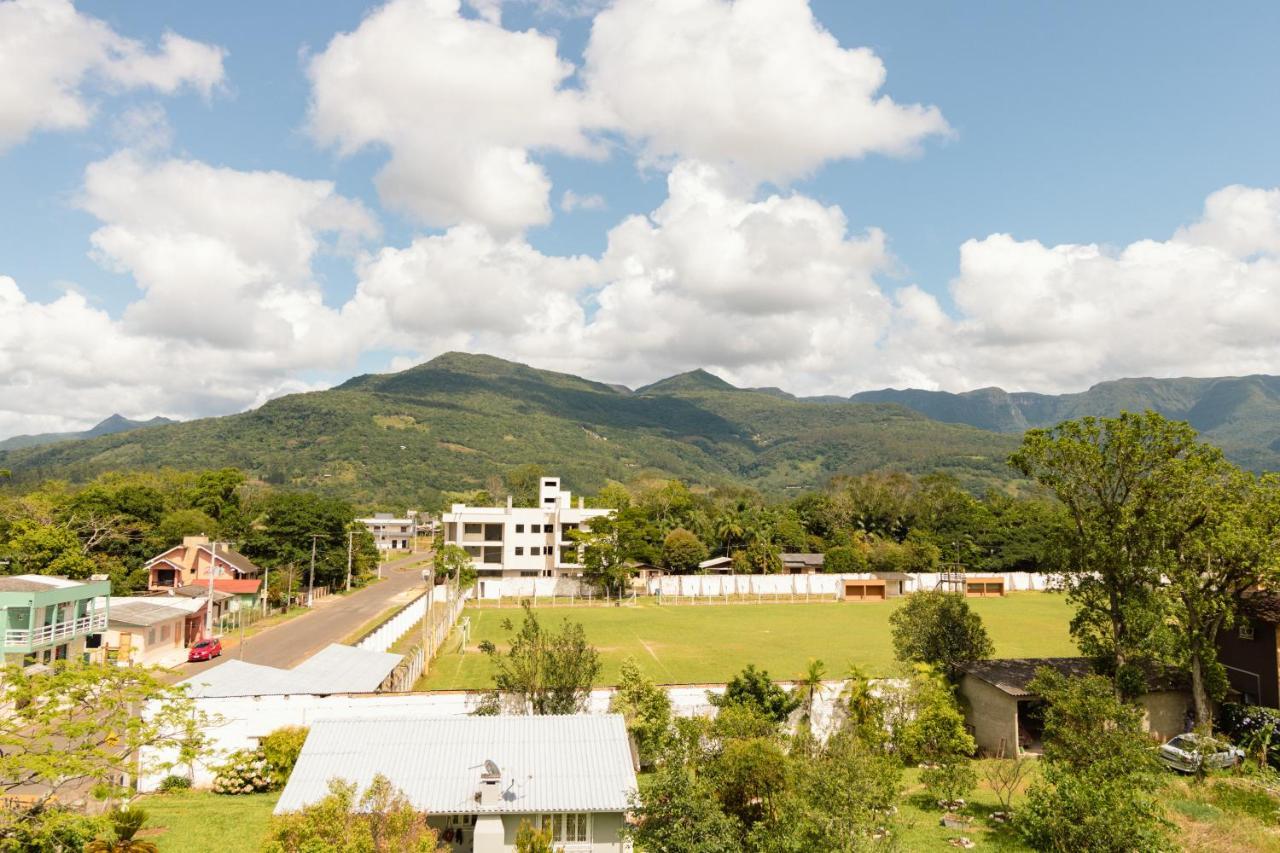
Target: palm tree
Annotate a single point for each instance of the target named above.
(125, 824)
(730, 529)
(810, 685)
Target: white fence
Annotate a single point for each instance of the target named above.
(816, 586)
(242, 721)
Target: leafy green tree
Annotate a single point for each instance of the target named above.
(647, 710)
(381, 819)
(452, 561)
(46, 550)
(281, 749)
(603, 553)
(76, 726)
(865, 713)
(544, 672)
(185, 522)
(940, 629)
(754, 689)
(50, 828)
(748, 775)
(950, 781)
(839, 799)
(1099, 775)
(679, 813)
(810, 687)
(1121, 481)
(682, 551)
(926, 722)
(524, 483)
(760, 557)
(844, 559)
(284, 531)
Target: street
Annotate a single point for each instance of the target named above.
(333, 618)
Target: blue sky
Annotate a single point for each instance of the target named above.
(1070, 125)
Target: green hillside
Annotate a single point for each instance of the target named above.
(110, 426)
(456, 421)
(1239, 414)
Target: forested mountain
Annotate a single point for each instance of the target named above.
(459, 420)
(110, 426)
(1240, 414)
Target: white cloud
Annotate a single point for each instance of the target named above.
(758, 84)
(1060, 318)
(229, 311)
(460, 103)
(572, 201)
(50, 53)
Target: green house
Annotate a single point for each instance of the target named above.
(48, 618)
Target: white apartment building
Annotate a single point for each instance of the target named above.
(514, 541)
(391, 533)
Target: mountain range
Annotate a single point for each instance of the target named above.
(110, 426)
(456, 422)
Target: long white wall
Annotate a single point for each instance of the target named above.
(239, 722)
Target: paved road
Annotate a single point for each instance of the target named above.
(333, 618)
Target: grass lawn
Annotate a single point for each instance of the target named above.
(204, 822)
(709, 643)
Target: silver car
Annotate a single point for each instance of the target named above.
(1185, 752)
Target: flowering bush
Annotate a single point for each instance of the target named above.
(1253, 727)
(245, 772)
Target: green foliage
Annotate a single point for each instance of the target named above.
(1099, 774)
(603, 553)
(530, 839)
(926, 722)
(951, 781)
(464, 419)
(75, 726)
(47, 829)
(284, 531)
(125, 824)
(679, 813)
(451, 561)
(844, 559)
(647, 710)
(544, 672)
(754, 689)
(171, 783)
(682, 551)
(940, 629)
(244, 771)
(280, 749)
(381, 819)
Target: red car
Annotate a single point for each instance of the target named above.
(205, 650)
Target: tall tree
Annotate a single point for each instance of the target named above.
(939, 628)
(1119, 479)
(544, 672)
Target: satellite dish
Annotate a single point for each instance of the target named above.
(491, 769)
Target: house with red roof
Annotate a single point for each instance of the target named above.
(192, 564)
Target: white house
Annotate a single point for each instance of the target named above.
(151, 630)
(516, 541)
(478, 778)
(391, 533)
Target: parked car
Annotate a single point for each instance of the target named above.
(1185, 752)
(205, 650)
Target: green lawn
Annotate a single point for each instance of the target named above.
(709, 643)
(204, 822)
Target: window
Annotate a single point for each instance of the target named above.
(493, 554)
(473, 551)
(151, 636)
(519, 550)
(519, 528)
(493, 533)
(164, 633)
(1246, 630)
(535, 528)
(550, 484)
(535, 551)
(567, 828)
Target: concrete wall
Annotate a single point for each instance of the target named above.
(1165, 713)
(993, 714)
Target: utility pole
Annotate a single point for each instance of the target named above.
(266, 591)
(208, 607)
(350, 540)
(311, 578)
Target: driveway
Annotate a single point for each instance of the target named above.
(332, 619)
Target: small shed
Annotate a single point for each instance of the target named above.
(979, 586)
(802, 564)
(717, 566)
(869, 589)
(1002, 714)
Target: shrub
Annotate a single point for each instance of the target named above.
(950, 782)
(174, 783)
(245, 772)
(844, 559)
(1255, 728)
(281, 749)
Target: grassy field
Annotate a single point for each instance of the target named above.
(203, 822)
(709, 643)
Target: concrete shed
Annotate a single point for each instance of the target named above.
(1003, 714)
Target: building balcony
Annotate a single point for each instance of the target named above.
(55, 632)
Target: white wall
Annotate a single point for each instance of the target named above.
(239, 721)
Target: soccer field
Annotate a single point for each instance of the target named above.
(709, 643)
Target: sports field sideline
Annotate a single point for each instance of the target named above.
(708, 644)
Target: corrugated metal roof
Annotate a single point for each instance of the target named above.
(142, 612)
(334, 669)
(578, 763)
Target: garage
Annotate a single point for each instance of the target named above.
(864, 590)
(984, 587)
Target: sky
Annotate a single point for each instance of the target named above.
(203, 206)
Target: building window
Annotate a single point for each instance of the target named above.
(519, 550)
(550, 484)
(535, 551)
(164, 633)
(535, 528)
(493, 554)
(1246, 630)
(493, 533)
(567, 828)
(151, 636)
(519, 528)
